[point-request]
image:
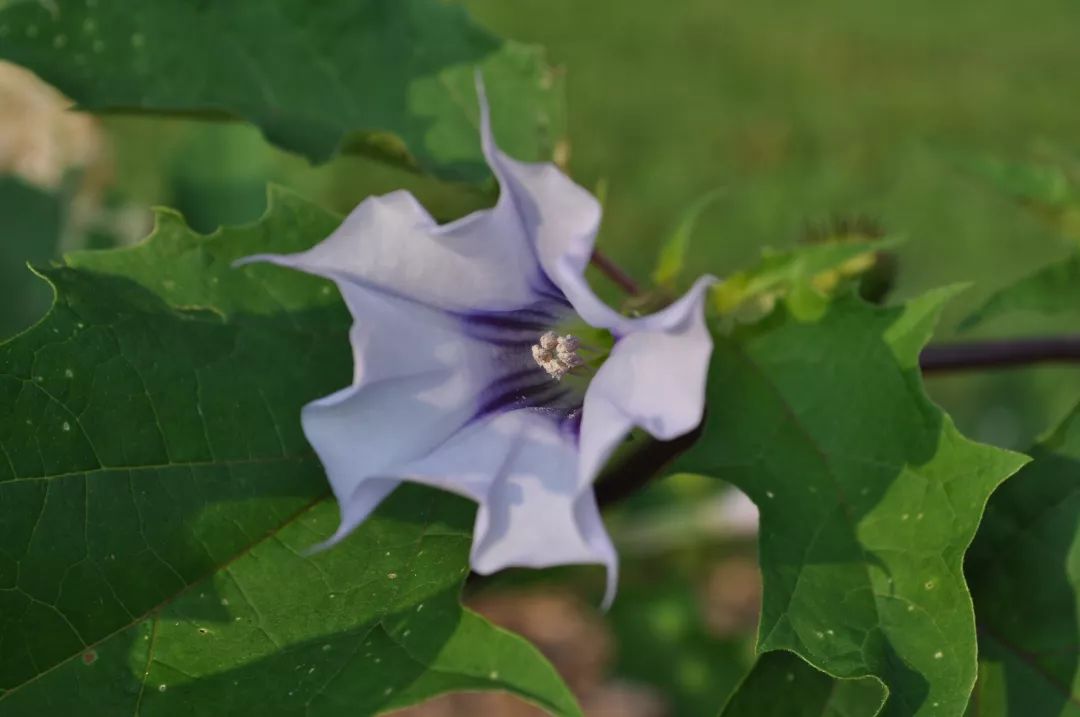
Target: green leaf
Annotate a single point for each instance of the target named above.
(673, 251)
(868, 494)
(30, 235)
(1024, 571)
(1054, 289)
(160, 499)
(812, 269)
(391, 78)
(218, 176)
(781, 684)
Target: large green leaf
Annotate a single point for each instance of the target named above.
(868, 494)
(30, 235)
(1054, 289)
(392, 78)
(158, 501)
(781, 684)
(1024, 570)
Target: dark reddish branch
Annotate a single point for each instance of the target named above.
(640, 465)
(619, 277)
(1004, 353)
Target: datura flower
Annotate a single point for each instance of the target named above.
(469, 375)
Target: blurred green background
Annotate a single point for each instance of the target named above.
(798, 112)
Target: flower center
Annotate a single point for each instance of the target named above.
(558, 355)
(522, 342)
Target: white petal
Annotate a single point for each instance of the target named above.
(392, 245)
(655, 375)
(411, 415)
(654, 378)
(559, 218)
(417, 379)
(521, 467)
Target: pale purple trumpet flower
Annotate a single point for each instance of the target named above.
(464, 381)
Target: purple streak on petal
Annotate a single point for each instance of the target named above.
(510, 321)
(546, 396)
(527, 388)
(515, 328)
(550, 291)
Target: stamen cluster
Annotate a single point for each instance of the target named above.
(557, 354)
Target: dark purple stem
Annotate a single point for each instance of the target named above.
(1001, 353)
(611, 270)
(632, 471)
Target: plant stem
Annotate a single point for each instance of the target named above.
(612, 271)
(632, 471)
(1001, 353)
